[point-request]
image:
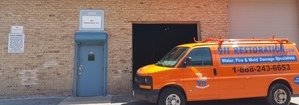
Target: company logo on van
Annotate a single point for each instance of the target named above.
(202, 83)
(296, 80)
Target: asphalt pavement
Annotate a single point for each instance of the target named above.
(251, 101)
(122, 100)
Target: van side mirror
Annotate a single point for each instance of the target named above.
(188, 61)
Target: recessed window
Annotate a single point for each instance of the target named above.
(91, 57)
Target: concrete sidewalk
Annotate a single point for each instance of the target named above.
(99, 100)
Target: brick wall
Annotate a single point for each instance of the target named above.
(46, 66)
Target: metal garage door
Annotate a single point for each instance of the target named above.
(263, 18)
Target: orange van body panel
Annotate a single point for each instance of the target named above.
(233, 78)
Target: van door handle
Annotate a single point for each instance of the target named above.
(215, 72)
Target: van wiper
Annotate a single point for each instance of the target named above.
(159, 63)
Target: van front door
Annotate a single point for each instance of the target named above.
(200, 80)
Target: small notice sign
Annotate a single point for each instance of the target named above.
(91, 20)
(17, 29)
(16, 43)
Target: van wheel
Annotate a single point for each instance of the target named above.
(172, 96)
(279, 94)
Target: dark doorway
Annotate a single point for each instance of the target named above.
(152, 41)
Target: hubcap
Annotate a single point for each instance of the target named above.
(173, 99)
(280, 96)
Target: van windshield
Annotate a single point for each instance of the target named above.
(171, 58)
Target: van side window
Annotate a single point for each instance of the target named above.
(201, 57)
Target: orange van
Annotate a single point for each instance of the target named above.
(218, 69)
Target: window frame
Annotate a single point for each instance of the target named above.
(211, 57)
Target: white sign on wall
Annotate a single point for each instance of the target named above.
(16, 43)
(16, 39)
(92, 22)
(17, 29)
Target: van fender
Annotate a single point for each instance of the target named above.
(173, 85)
(282, 80)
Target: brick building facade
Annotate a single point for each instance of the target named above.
(47, 65)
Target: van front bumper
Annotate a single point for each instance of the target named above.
(146, 95)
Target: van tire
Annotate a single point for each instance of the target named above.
(172, 95)
(279, 94)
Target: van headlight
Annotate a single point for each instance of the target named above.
(148, 80)
(144, 81)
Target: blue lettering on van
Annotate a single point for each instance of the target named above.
(259, 49)
(259, 59)
(253, 50)
(296, 80)
(223, 50)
